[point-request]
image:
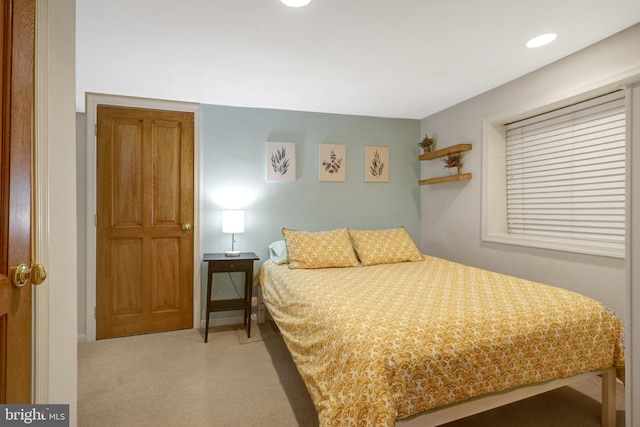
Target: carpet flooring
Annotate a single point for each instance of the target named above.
(175, 379)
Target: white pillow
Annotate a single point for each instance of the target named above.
(278, 252)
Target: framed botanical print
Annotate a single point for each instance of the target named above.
(332, 162)
(376, 164)
(281, 161)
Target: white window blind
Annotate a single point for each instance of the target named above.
(566, 173)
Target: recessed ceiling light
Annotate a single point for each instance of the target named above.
(296, 3)
(541, 40)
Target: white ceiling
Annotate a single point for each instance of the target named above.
(387, 58)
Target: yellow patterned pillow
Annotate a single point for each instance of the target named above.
(384, 246)
(319, 249)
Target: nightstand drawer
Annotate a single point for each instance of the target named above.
(231, 266)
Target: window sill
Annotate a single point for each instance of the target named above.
(611, 251)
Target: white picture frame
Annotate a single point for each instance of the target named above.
(332, 163)
(281, 161)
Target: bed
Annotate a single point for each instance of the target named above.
(382, 334)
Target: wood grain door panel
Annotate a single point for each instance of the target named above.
(144, 262)
(126, 160)
(166, 163)
(125, 274)
(17, 36)
(166, 276)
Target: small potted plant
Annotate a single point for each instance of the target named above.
(453, 162)
(427, 144)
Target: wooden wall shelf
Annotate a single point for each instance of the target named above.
(452, 178)
(460, 148)
(443, 152)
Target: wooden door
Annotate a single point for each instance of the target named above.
(144, 266)
(17, 44)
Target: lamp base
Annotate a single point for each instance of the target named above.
(232, 253)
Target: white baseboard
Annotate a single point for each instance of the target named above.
(82, 338)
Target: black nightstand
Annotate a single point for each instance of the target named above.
(220, 263)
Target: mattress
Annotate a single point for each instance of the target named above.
(376, 344)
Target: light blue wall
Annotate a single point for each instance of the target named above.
(234, 166)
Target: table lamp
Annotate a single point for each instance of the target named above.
(232, 222)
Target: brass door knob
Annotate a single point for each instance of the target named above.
(38, 274)
(186, 226)
(21, 274)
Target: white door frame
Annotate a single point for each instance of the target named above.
(632, 345)
(40, 227)
(92, 102)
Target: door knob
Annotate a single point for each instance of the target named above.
(21, 274)
(38, 274)
(186, 226)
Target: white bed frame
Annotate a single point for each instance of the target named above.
(472, 407)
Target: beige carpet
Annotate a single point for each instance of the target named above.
(259, 332)
(175, 379)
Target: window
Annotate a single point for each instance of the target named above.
(563, 179)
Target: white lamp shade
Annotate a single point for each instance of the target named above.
(233, 221)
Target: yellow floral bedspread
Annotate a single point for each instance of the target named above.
(379, 343)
